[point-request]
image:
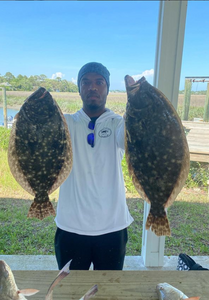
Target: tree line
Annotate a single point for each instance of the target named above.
(24, 83)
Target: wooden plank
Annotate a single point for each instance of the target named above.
(198, 140)
(192, 124)
(114, 285)
(199, 158)
(196, 149)
(198, 134)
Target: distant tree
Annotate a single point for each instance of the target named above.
(73, 88)
(24, 83)
(48, 84)
(2, 79)
(63, 86)
(33, 81)
(9, 77)
(42, 77)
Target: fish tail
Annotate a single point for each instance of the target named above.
(41, 210)
(159, 225)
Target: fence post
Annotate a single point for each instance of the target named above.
(206, 109)
(187, 96)
(4, 106)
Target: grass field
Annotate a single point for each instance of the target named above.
(188, 218)
(71, 102)
(188, 215)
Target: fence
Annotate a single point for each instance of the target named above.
(187, 96)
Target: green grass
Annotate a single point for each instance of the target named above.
(20, 235)
(194, 112)
(190, 226)
(188, 218)
(7, 181)
(71, 102)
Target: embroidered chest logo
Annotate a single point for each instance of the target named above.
(105, 132)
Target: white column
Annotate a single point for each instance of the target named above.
(170, 39)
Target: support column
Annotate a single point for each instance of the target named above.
(4, 106)
(171, 27)
(206, 108)
(187, 97)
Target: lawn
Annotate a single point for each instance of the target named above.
(188, 218)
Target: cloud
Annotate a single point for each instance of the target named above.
(148, 74)
(74, 80)
(58, 74)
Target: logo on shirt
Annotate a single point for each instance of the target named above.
(105, 132)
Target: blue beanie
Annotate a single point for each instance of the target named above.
(94, 67)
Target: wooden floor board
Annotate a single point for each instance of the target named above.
(114, 285)
(198, 140)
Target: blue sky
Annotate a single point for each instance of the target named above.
(58, 37)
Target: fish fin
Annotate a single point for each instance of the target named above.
(129, 80)
(159, 225)
(193, 298)
(49, 295)
(90, 293)
(16, 116)
(28, 292)
(62, 274)
(41, 210)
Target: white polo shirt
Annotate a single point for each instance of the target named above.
(92, 199)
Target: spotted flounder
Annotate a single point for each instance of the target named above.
(40, 152)
(157, 152)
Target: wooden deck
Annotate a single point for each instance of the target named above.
(114, 285)
(198, 140)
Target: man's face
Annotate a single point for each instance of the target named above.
(93, 92)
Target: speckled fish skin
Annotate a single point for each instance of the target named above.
(165, 291)
(157, 152)
(40, 152)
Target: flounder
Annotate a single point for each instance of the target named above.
(40, 151)
(157, 152)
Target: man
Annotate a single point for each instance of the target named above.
(92, 215)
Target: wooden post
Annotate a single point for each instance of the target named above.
(4, 106)
(187, 96)
(206, 109)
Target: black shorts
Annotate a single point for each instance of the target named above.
(106, 251)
